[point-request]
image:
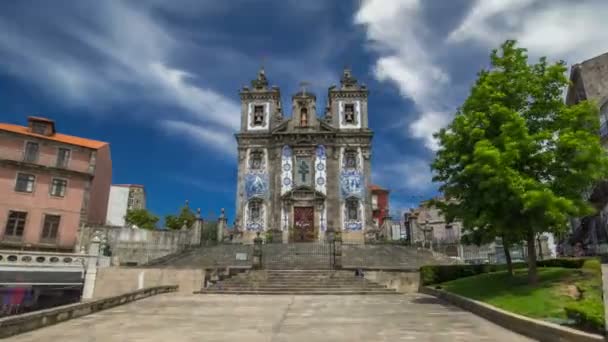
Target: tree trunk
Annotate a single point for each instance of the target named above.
(532, 272)
(505, 247)
(540, 248)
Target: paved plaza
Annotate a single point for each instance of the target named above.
(176, 317)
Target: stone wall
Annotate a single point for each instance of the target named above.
(138, 246)
(113, 281)
(402, 282)
(390, 257)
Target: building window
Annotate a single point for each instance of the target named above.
(304, 117)
(31, 152)
(374, 202)
(25, 182)
(51, 227)
(63, 155)
(351, 159)
(58, 187)
(258, 115)
(39, 127)
(15, 224)
(255, 210)
(349, 113)
(255, 160)
(352, 209)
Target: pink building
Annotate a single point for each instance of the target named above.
(50, 184)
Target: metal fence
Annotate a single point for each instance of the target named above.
(307, 255)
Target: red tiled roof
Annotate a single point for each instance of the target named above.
(374, 187)
(63, 138)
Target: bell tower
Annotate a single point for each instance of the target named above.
(348, 103)
(304, 108)
(260, 105)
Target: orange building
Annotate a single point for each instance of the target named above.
(50, 184)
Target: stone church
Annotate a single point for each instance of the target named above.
(301, 174)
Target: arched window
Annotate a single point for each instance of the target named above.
(255, 210)
(258, 115)
(352, 209)
(255, 160)
(350, 159)
(349, 113)
(304, 116)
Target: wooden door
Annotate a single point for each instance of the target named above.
(304, 222)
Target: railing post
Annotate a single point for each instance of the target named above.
(221, 225)
(91, 268)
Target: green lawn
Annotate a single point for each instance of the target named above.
(557, 288)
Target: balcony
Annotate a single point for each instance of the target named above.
(42, 162)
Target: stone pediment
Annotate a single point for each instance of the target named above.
(303, 193)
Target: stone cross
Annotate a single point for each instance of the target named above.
(304, 84)
(303, 170)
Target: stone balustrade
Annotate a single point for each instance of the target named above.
(43, 259)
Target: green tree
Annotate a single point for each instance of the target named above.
(141, 218)
(185, 216)
(515, 159)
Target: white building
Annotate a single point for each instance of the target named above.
(124, 197)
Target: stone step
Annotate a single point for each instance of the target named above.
(304, 288)
(303, 278)
(308, 292)
(276, 286)
(288, 283)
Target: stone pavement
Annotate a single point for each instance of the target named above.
(178, 317)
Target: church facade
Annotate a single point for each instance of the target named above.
(301, 174)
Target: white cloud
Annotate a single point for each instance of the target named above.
(398, 33)
(128, 59)
(219, 139)
(571, 30)
(415, 57)
(206, 104)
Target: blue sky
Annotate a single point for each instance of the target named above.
(159, 79)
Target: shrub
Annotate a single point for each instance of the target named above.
(441, 273)
(592, 265)
(587, 315)
(562, 262)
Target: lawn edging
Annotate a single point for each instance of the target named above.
(536, 329)
(13, 325)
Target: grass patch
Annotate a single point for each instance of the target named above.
(558, 289)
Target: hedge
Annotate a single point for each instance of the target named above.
(441, 273)
(587, 315)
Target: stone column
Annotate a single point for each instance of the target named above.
(221, 225)
(91, 268)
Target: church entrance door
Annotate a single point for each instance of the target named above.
(304, 218)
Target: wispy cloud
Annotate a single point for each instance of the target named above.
(212, 137)
(97, 55)
(420, 59)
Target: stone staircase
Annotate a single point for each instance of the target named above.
(297, 282)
